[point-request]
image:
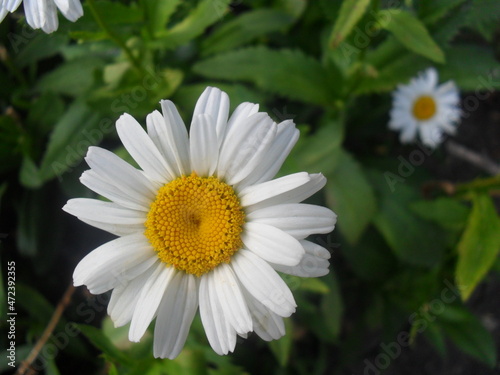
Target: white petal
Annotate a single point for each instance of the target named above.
(116, 229)
(162, 138)
(175, 315)
(293, 188)
(242, 140)
(263, 283)
(268, 325)
(241, 112)
(272, 244)
(106, 212)
(297, 219)
(121, 174)
(203, 146)
(409, 133)
(255, 194)
(35, 11)
(215, 103)
(314, 263)
(149, 300)
(284, 141)
(220, 334)
(124, 299)
(245, 147)
(51, 22)
(11, 5)
(71, 9)
(142, 149)
(431, 135)
(430, 79)
(227, 290)
(102, 187)
(176, 136)
(114, 263)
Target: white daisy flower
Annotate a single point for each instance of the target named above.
(202, 223)
(424, 106)
(42, 14)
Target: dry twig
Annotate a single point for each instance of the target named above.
(61, 306)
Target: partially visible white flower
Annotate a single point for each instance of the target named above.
(424, 106)
(42, 14)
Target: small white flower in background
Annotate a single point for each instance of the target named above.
(202, 223)
(425, 107)
(42, 14)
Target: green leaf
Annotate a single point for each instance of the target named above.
(295, 8)
(350, 13)
(244, 29)
(480, 185)
(436, 336)
(351, 196)
(411, 32)
(469, 334)
(192, 362)
(484, 17)
(206, 13)
(100, 341)
(115, 14)
(318, 152)
(472, 67)
(51, 366)
(29, 174)
(413, 240)
(370, 258)
(35, 46)
(36, 237)
(332, 306)
(446, 212)
(70, 139)
(288, 73)
(431, 11)
(44, 113)
(445, 31)
(14, 142)
(117, 335)
(39, 309)
(399, 70)
(314, 285)
(478, 246)
(282, 347)
(157, 13)
(71, 78)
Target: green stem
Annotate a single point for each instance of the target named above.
(115, 38)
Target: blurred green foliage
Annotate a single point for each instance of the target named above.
(403, 262)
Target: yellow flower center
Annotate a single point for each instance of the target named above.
(424, 107)
(195, 223)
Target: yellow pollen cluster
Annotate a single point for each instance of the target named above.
(195, 223)
(424, 107)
